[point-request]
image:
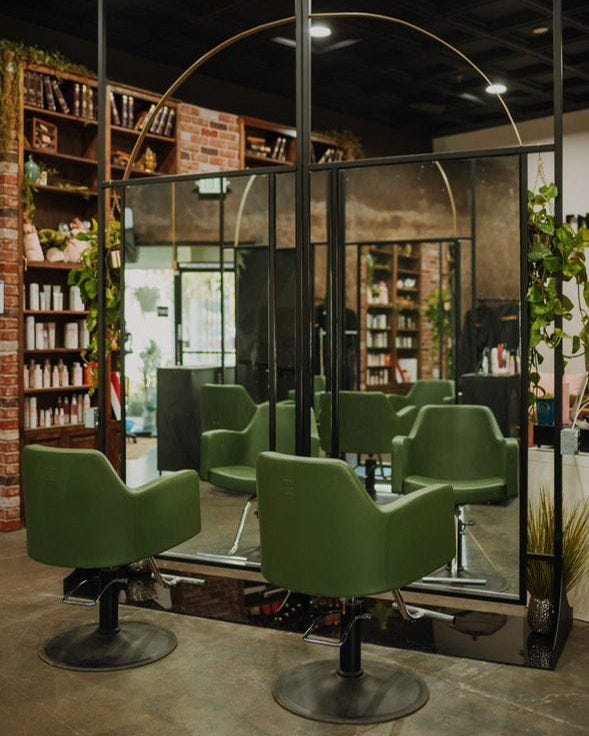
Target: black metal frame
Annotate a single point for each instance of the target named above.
(335, 171)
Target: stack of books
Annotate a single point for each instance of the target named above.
(44, 91)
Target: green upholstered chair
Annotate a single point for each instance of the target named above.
(80, 514)
(319, 384)
(228, 458)
(368, 423)
(322, 535)
(425, 392)
(225, 406)
(463, 446)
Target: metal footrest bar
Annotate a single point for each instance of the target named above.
(415, 613)
(327, 642)
(241, 525)
(70, 598)
(451, 580)
(170, 581)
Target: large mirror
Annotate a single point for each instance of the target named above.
(415, 345)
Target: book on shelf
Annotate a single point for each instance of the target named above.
(124, 111)
(77, 105)
(49, 98)
(140, 122)
(163, 120)
(84, 100)
(116, 118)
(169, 129)
(90, 103)
(130, 111)
(61, 101)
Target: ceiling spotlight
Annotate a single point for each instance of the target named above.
(540, 30)
(496, 89)
(320, 30)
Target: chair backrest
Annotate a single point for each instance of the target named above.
(259, 431)
(457, 442)
(225, 406)
(76, 507)
(318, 527)
(427, 392)
(367, 422)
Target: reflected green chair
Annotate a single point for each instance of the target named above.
(425, 392)
(368, 423)
(81, 515)
(228, 458)
(321, 535)
(225, 406)
(464, 447)
(319, 384)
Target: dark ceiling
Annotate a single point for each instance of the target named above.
(384, 73)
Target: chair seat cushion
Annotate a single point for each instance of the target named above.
(241, 478)
(481, 490)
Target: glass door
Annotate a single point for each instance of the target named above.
(200, 321)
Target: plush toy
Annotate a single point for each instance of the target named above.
(32, 245)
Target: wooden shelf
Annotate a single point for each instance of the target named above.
(55, 390)
(136, 172)
(135, 133)
(55, 313)
(78, 160)
(267, 160)
(55, 351)
(61, 116)
(410, 289)
(380, 306)
(48, 266)
(70, 192)
(57, 430)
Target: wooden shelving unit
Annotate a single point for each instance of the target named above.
(391, 317)
(271, 144)
(70, 158)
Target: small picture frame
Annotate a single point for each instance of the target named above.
(44, 136)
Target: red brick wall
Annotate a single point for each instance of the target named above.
(208, 140)
(10, 517)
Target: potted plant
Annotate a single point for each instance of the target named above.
(545, 410)
(152, 358)
(542, 610)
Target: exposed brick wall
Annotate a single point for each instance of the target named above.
(10, 516)
(208, 140)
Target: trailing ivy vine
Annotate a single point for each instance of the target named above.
(554, 253)
(86, 278)
(12, 55)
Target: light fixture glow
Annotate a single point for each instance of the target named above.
(540, 30)
(496, 89)
(320, 30)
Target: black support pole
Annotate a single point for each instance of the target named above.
(222, 272)
(334, 312)
(524, 375)
(350, 653)
(558, 356)
(303, 335)
(109, 603)
(272, 374)
(101, 216)
(473, 263)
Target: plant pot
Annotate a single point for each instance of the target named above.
(545, 412)
(542, 615)
(540, 651)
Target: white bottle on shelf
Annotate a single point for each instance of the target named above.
(37, 375)
(30, 333)
(39, 336)
(74, 410)
(71, 336)
(77, 375)
(46, 374)
(51, 335)
(34, 297)
(33, 419)
(55, 376)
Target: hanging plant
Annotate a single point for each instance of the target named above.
(438, 313)
(554, 253)
(86, 278)
(12, 55)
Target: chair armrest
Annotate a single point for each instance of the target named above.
(512, 467)
(448, 399)
(220, 447)
(420, 534)
(397, 402)
(406, 417)
(167, 512)
(400, 462)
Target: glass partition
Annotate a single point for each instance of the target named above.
(428, 313)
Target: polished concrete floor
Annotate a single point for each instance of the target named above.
(218, 681)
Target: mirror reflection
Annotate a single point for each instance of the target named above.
(428, 368)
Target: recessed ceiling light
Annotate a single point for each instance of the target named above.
(540, 30)
(496, 89)
(320, 30)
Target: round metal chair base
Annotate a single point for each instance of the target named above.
(315, 690)
(84, 648)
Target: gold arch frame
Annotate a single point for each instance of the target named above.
(286, 21)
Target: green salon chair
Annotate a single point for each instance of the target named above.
(321, 535)
(81, 515)
(225, 406)
(228, 458)
(425, 392)
(463, 446)
(367, 426)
